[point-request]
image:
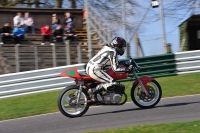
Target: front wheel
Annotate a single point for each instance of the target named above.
(67, 102)
(141, 100)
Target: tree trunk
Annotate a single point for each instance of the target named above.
(58, 3)
(37, 3)
(73, 3)
(29, 5)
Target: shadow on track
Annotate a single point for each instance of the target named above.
(177, 104)
(112, 112)
(134, 109)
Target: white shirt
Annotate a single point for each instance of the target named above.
(17, 20)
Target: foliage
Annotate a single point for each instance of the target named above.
(31, 3)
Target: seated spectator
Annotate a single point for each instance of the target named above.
(67, 18)
(18, 19)
(58, 34)
(6, 33)
(18, 33)
(55, 21)
(28, 22)
(69, 31)
(46, 34)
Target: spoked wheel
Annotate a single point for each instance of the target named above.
(142, 100)
(67, 102)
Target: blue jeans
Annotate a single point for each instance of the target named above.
(32, 28)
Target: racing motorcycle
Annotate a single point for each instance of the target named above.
(75, 100)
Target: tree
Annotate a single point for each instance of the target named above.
(59, 3)
(8, 3)
(28, 3)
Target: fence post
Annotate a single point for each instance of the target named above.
(79, 53)
(17, 59)
(54, 55)
(67, 50)
(36, 57)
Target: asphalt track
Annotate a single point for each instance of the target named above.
(174, 109)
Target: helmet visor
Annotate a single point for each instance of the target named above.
(121, 51)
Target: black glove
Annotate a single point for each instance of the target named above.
(129, 69)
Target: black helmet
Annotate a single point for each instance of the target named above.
(119, 44)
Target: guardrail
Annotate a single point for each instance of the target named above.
(35, 81)
(44, 80)
(188, 62)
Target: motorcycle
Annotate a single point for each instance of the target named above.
(75, 100)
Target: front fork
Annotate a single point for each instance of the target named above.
(141, 84)
(79, 92)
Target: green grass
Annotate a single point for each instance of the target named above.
(180, 127)
(47, 102)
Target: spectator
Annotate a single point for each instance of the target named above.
(18, 19)
(28, 22)
(67, 19)
(58, 33)
(55, 21)
(6, 33)
(18, 33)
(46, 34)
(69, 31)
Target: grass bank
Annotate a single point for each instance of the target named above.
(47, 102)
(181, 127)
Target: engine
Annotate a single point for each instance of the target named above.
(114, 94)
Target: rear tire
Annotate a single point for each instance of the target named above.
(141, 100)
(67, 102)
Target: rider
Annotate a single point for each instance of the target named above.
(108, 53)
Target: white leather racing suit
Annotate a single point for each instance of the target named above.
(95, 66)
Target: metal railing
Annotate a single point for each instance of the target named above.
(34, 57)
(97, 25)
(188, 62)
(35, 81)
(44, 80)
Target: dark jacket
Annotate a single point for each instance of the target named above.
(58, 32)
(69, 28)
(66, 21)
(6, 29)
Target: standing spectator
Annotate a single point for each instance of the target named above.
(58, 33)
(55, 21)
(18, 19)
(6, 33)
(46, 34)
(18, 33)
(28, 22)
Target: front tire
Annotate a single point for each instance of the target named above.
(67, 102)
(141, 100)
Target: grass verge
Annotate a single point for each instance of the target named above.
(179, 127)
(47, 102)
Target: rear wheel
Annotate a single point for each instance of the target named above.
(67, 102)
(141, 99)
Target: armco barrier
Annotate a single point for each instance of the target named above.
(35, 81)
(188, 62)
(157, 66)
(43, 80)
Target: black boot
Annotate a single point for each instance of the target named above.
(94, 94)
